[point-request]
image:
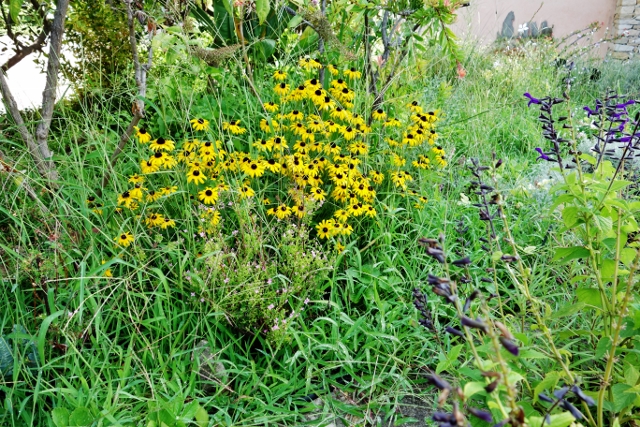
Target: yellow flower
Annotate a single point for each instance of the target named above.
(246, 191)
(325, 229)
(298, 93)
(208, 196)
(392, 123)
(107, 272)
(136, 179)
(332, 69)
(271, 107)
(196, 176)
(167, 223)
(166, 191)
(266, 127)
(339, 247)
(200, 124)
(154, 219)
(263, 145)
(352, 73)
(348, 133)
(152, 196)
(253, 168)
(281, 89)
(281, 212)
(379, 114)
(280, 75)
(142, 135)
(124, 239)
(338, 84)
(397, 160)
(369, 210)
(340, 114)
(162, 144)
(376, 176)
(295, 116)
(413, 106)
(234, 127)
(317, 193)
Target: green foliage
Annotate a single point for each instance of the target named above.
(97, 37)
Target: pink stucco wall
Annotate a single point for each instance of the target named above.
(483, 19)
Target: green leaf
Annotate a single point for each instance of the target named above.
(570, 216)
(6, 358)
(202, 417)
(452, 356)
(227, 6)
(532, 354)
(627, 255)
(623, 396)
(603, 223)
(548, 383)
(80, 416)
(590, 297)
(262, 10)
(631, 374)
(565, 255)
(558, 420)
(60, 417)
(473, 387)
(42, 335)
(14, 9)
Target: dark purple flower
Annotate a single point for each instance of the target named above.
(543, 156)
(591, 112)
(483, 415)
(586, 399)
(532, 100)
(462, 262)
(476, 324)
(629, 102)
(454, 331)
(574, 411)
(438, 382)
(510, 346)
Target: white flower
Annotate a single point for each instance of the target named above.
(523, 28)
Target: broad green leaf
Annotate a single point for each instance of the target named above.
(627, 255)
(623, 396)
(6, 358)
(227, 6)
(590, 297)
(570, 216)
(14, 9)
(631, 374)
(262, 10)
(602, 223)
(565, 255)
(607, 269)
(60, 417)
(202, 417)
(558, 420)
(473, 387)
(532, 354)
(80, 416)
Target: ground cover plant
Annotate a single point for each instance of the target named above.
(304, 221)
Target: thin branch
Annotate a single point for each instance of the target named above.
(140, 75)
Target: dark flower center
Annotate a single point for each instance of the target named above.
(318, 92)
(158, 155)
(123, 237)
(254, 166)
(196, 173)
(126, 195)
(208, 193)
(160, 141)
(201, 121)
(142, 131)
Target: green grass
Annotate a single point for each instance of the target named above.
(120, 347)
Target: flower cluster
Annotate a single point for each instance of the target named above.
(310, 147)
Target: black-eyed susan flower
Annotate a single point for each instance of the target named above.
(107, 272)
(281, 89)
(379, 114)
(125, 199)
(208, 196)
(167, 223)
(332, 69)
(234, 127)
(352, 73)
(142, 135)
(392, 122)
(281, 212)
(196, 176)
(358, 148)
(253, 168)
(136, 179)
(348, 132)
(308, 135)
(246, 191)
(279, 75)
(295, 116)
(317, 96)
(415, 107)
(124, 239)
(147, 167)
(313, 84)
(338, 84)
(441, 161)
(168, 190)
(153, 195)
(271, 107)
(298, 93)
(199, 124)
(154, 219)
(318, 193)
(341, 215)
(369, 210)
(340, 114)
(267, 127)
(376, 176)
(169, 162)
(263, 145)
(437, 150)
(421, 162)
(162, 144)
(325, 228)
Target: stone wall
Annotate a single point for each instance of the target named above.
(627, 25)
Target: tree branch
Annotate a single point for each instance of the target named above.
(140, 73)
